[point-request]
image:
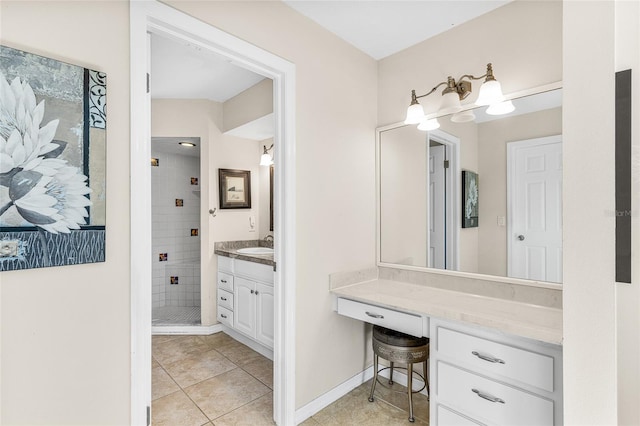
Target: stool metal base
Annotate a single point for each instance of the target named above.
(404, 355)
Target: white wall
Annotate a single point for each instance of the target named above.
(403, 198)
(627, 16)
(589, 302)
(66, 331)
(249, 105)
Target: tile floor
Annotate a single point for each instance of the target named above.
(175, 315)
(215, 380)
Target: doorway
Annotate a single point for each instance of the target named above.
(151, 16)
(175, 203)
(534, 225)
(443, 202)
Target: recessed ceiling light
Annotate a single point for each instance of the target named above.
(189, 144)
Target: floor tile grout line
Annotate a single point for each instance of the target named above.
(381, 399)
(194, 402)
(170, 376)
(241, 367)
(183, 390)
(243, 405)
(258, 379)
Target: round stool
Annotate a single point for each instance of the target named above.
(395, 346)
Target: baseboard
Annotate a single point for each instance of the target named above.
(262, 350)
(186, 329)
(324, 400)
(308, 410)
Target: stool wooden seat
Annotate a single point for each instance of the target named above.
(395, 346)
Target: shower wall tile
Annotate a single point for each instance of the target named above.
(171, 228)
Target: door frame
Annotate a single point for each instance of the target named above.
(511, 171)
(453, 203)
(152, 15)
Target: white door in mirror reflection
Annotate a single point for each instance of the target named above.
(534, 224)
(437, 202)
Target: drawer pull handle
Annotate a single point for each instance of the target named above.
(256, 292)
(252, 292)
(488, 358)
(488, 397)
(223, 281)
(223, 316)
(374, 315)
(223, 298)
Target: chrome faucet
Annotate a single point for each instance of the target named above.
(269, 238)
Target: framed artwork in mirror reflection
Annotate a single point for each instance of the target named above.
(469, 199)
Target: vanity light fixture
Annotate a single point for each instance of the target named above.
(455, 91)
(187, 144)
(463, 116)
(265, 158)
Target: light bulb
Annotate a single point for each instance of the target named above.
(450, 103)
(501, 108)
(415, 114)
(265, 160)
(463, 117)
(429, 124)
(490, 93)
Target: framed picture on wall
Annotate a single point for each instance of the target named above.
(469, 199)
(52, 162)
(234, 189)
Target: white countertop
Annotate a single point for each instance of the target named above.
(521, 319)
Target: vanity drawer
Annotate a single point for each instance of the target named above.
(511, 362)
(225, 316)
(225, 299)
(225, 281)
(490, 401)
(447, 417)
(254, 271)
(225, 264)
(400, 321)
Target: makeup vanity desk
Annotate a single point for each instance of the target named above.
(496, 357)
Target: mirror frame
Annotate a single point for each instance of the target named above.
(461, 274)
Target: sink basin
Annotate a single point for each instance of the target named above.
(255, 250)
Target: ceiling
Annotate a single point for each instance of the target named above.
(382, 28)
(171, 145)
(180, 70)
(379, 28)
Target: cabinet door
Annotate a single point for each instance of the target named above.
(244, 306)
(264, 314)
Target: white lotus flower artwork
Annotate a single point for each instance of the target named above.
(37, 188)
(472, 199)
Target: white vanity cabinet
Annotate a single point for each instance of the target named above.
(253, 309)
(479, 376)
(245, 298)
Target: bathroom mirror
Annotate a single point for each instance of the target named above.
(509, 223)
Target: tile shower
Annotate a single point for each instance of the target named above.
(175, 182)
